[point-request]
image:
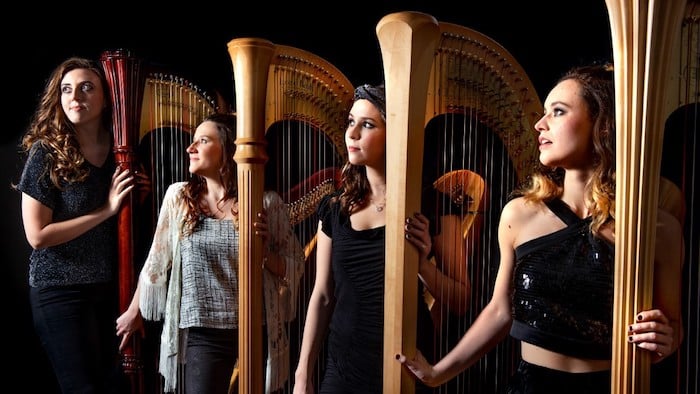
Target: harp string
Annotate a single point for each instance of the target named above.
(172, 108)
(485, 134)
(307, 151)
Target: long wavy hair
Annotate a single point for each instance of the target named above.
(353, 178)
(51, 127)
(196, 186)
(598, 91)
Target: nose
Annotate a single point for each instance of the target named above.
(192, 147)
(352, 132)
(541, 125)
(76, 94)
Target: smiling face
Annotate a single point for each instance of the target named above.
(206, 151)
(365, 136)
(565, 128)
(82, 97)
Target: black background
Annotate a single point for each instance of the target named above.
(545, 37)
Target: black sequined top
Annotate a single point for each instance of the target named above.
(89, 258)
(563, 289)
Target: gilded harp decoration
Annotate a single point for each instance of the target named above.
(291, 109)
(477, 142)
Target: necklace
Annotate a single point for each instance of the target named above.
(378, 207)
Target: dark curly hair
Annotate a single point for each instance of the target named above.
(51, 127)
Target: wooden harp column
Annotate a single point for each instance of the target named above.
(641, 31)
(273, 84)
(407, 41)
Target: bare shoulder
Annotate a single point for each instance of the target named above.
(522, 220)
(519, 211)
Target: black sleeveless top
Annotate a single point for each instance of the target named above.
(563, 289)
(356, 332)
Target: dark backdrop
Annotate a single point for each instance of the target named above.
(545, 37)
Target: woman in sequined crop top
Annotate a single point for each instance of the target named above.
(190, 276)
(554, 286)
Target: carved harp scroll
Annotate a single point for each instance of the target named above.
(449, 69)
(277, 83)
(641, 31)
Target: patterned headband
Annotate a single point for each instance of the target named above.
(375, 94)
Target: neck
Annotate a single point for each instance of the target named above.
(90, 134)
(574, 191)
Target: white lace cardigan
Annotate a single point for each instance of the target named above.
(160, 286)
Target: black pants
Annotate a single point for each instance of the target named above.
(534, 379)
(209, 360)
(75, 325)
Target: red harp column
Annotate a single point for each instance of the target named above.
(126, 84)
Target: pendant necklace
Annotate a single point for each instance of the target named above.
(378, 207)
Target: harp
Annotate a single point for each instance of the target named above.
(650, 39)
(291, 109)
(462, 103)
(154, 116)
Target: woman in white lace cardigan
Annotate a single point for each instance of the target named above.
(190, 277)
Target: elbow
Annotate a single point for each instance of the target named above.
(36, 241)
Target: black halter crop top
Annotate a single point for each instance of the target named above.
(563, 289)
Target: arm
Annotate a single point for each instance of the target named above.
(492, 325)
(448, 280)
(318, 315)
(153, 276)
(659, 330)
(130, 321)
(41, 231)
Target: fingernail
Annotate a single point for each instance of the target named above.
(629, 338)
(408, 236)
(630, 328)
(398, 356)
(639, 317)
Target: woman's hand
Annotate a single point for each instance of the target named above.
(652, 331)
(272, 261)
(122, 183)
(417, 232)
(420, 368)
(303, 387)
(128, 323)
